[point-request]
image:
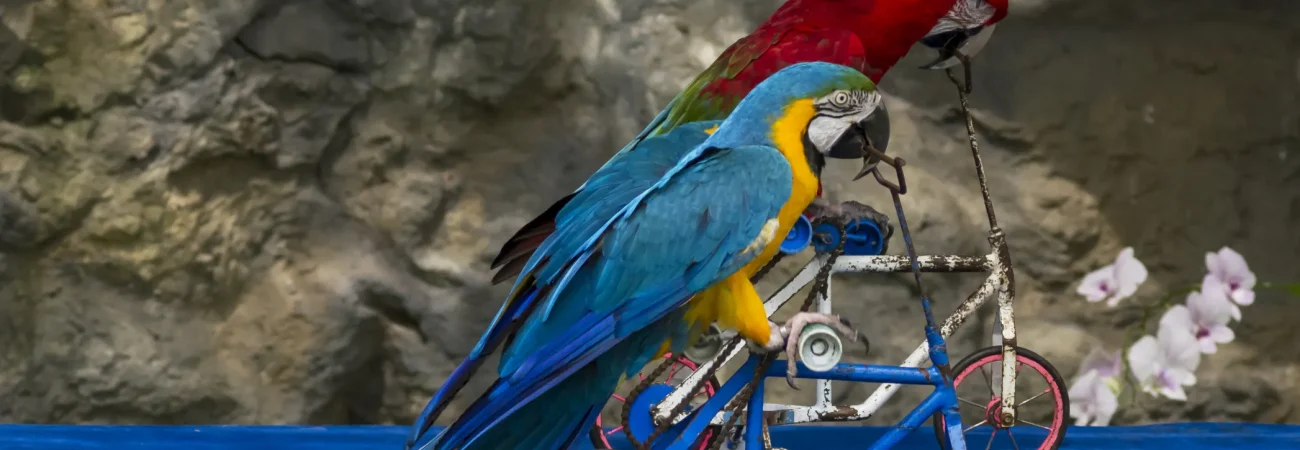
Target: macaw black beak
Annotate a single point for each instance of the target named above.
(954, 45)
(872, 131)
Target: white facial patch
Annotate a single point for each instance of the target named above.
(825, 131)
(965, 14)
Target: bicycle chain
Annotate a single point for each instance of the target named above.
(822, 281)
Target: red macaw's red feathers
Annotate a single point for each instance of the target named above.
(871, 35)
(868, 35)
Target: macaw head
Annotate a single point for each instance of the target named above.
(818, 108)
(964, 31)
(848, 121)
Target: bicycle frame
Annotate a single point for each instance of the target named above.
(824, 410)
(942, 400)
(997, 263)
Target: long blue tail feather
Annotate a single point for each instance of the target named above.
(512, 313)
(528, 412)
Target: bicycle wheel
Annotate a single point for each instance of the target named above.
(640, 421)
(1041, 414)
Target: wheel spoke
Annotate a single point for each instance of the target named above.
(616, 430)
(1040, 394)
(672, 371)
(1037, 425)
(620, 398)
(1029, 392)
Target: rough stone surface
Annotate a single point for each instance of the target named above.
(243, 211)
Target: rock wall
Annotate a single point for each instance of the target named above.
(244, 211)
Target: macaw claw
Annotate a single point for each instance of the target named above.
(786, 337)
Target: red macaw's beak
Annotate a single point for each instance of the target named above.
(958, 44)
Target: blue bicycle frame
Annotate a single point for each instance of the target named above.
(942, 400)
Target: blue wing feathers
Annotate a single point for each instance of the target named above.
(614, 186)
(658, 254)
(627, 253)
(623, 212)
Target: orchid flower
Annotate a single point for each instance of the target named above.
(1106, 364)
(1211, 285)
(1230, 268)
(1115, 282)
(1092, 401)
(1094, 396)
(1206, 316)
(1163, 366)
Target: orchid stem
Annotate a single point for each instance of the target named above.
(1292, 288)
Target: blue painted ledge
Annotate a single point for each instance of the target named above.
(1185, 436)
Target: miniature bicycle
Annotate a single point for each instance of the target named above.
(663, 409)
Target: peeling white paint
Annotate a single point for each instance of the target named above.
(990, 264)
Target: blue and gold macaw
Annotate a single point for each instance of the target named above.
(655, 247)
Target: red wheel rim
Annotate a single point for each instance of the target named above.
(1053, 392)
(678, 363)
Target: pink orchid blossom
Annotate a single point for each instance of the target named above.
(1092, 400)
(1211, 285)
(1106, 364)
(1230, 268)
(1094, 396)
(1165, 365)
(1206, 316)
(1115, 282)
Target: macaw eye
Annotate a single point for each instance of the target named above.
(840, 98)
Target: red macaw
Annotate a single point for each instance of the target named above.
(868, 35)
